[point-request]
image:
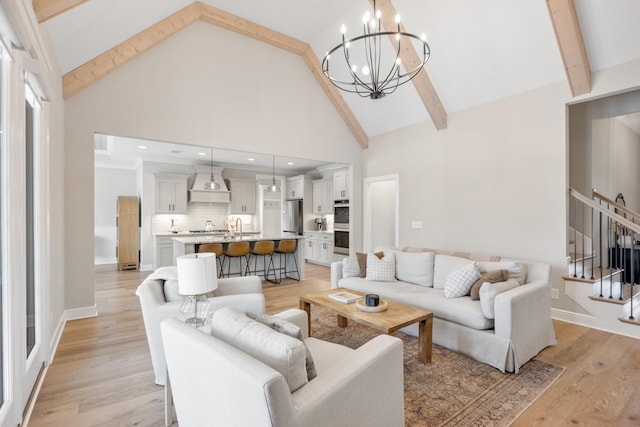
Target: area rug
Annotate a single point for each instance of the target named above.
(453, 390)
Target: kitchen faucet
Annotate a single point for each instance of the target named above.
(238, 219)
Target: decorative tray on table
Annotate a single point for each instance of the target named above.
(382, 306)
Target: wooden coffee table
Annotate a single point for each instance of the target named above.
(396, 316)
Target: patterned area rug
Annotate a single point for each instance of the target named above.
(453, 390)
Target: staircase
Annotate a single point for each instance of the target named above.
(603, 265)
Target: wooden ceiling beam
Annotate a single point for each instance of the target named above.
(569, 36)
(410, 59)
(88, 73)
(47, 9)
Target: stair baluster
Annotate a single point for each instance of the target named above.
(600, 250)
(575, 237)
(593, 258)
(582, 260)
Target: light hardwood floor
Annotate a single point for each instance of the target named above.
(102, 376)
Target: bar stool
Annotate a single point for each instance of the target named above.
(217, 249)
(287, 248)
(235, 250)
(262, 248)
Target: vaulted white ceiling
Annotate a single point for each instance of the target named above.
(481, 50)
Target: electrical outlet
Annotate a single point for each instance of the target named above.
(555, 293)
(416, 224)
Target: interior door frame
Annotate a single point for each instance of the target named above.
(367, 212)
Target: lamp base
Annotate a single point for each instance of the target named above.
(196, 322)
(194, 310)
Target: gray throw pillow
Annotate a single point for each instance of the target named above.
(286, 327)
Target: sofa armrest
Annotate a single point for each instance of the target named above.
(297, 317)
(238, 285)
(336, 273)
(253, 303)
(523, 316)
(365, 385)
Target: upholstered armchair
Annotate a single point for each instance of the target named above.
(159, 300)
(215, 383)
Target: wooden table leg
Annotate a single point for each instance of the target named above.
(307, 307)
(425, 335)
(342, 321)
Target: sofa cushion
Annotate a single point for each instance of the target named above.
(489, 277)
(171, 290)
(281, 352)
(415, 267)
(488, 293)
(284, 326)
(460, 281)
(350, 267)
(515, 270)
(362, 261)
(443, 265)
(383, 270)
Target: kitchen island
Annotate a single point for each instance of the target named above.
(189, 244)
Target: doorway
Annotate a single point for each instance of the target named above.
(381, 212)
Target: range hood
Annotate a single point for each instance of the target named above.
(199, 194)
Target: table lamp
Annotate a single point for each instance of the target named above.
(196, 276)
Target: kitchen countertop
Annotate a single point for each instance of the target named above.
(198, 238)
(189, 233)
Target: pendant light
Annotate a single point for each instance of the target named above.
(212, 184)
(273, 188)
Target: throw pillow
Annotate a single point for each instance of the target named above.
(515, 270)
(488, 293)
(490, 277)
(415, 267)
(381, 270)
(445, 264)
(289, 328)
(171, 291)
(362, 261)
(459, 281)
(281, 352)
(350, 268)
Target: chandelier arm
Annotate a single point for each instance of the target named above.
(357, 81)
(395, 69)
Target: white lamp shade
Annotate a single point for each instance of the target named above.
(197, 274)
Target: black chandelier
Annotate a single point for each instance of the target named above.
(368, 69)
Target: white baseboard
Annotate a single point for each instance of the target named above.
(80, 313)
(591, 322)
(105, 260)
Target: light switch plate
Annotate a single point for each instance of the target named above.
(555, 293)
(416, 224)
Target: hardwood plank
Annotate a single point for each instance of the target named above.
(102, 375)
(410, 59)
(569, 36)
(47, 9)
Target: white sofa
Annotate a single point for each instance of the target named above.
(521, 326)
(214, 383)
(159, 299)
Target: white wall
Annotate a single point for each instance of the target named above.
(495, 181)
(109, 183)
(204, 86)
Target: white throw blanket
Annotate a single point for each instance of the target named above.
(164, 273)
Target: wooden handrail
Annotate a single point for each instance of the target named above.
(616, 205)
(618, 218)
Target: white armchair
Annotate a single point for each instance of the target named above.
(216, 384)
(159, 300)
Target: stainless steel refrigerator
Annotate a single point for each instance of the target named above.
(293, 220)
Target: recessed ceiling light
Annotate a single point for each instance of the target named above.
(251, 159)
(142, 147)
(202, 154)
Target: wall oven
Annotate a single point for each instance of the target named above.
(341, 242)
(341, 228)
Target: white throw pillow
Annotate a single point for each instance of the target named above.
(171, 291)
(443, 265)
(281, 352)
(415, 267)
(350, 267)
(488, 293)
(460, 281)
(515, 270)
(381, 270)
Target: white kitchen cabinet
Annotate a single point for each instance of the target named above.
(163, 252)
(170, 194)
(243, 196)
(318, 247)
(295, 187)
(341, 184)
(323, 197)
